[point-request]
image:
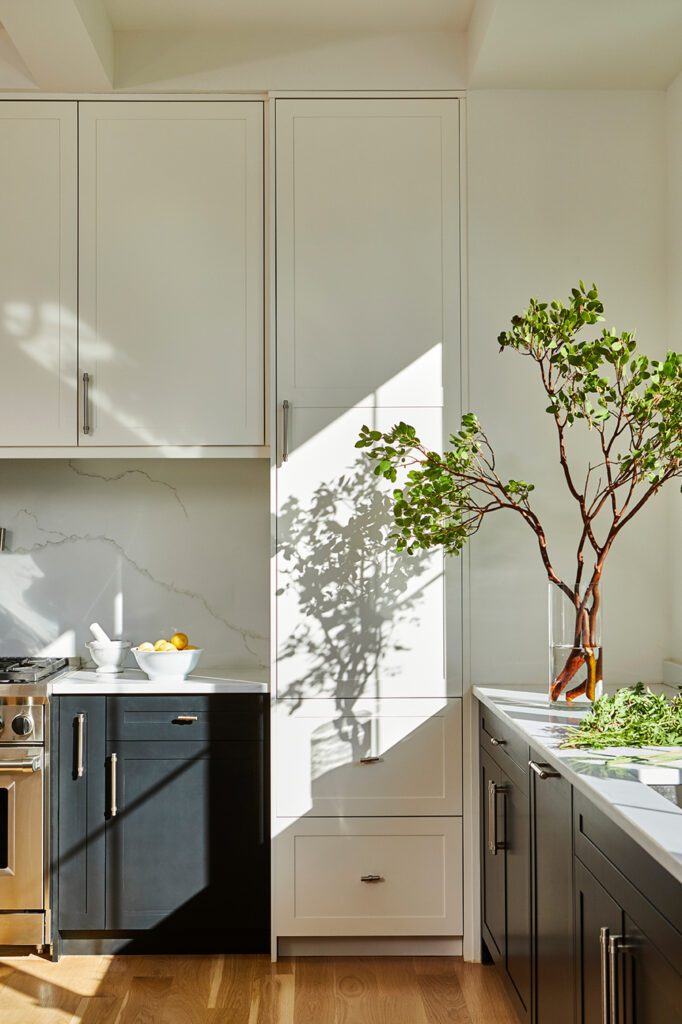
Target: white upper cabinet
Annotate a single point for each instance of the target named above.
(354, 619)
(171, 273)
(38, 273)
(367, 249)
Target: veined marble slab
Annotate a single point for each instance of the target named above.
(132, 681)
(652, 820)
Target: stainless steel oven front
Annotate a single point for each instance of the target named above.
(23, 889)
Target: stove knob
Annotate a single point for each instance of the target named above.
(22, 725)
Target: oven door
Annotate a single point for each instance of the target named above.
(21, 829)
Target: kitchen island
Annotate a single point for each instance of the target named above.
(581, 864)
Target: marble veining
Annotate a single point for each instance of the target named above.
(146, 550)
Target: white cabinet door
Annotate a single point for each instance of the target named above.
(353, 618)
(412, 871)
(171, 272)
(367, 249)
(391, 757)
(38, 273)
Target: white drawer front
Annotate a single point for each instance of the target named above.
(321, 865)
(382, 758)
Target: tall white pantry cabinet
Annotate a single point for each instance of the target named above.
(367, 793)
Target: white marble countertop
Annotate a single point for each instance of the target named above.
(132, 681)
(651, 819)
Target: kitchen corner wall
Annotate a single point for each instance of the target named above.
(144, 547)
(562, 186)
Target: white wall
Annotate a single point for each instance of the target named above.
(562, 186)
(674, 260)
(145, 547)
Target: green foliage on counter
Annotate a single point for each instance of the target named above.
(631, 717)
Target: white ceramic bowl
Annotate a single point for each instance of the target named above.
(167, 666)
(109, 657)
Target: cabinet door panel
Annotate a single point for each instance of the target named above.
(552, 899)
(188, 848)
(374, 758)
(517, 863)
(367, 249)
(651, 987)
(493, 882)
(81, 807)
(171, 272)
(594, 910)
(38, 272)
(353, 619)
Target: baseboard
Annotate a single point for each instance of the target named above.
(392, 945)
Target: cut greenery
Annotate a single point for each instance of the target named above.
(631, 717)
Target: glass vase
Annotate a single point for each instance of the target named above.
(576, 657)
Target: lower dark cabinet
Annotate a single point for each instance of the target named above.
(163, 843)
(551, 894)
(597, 917)
(649, 988)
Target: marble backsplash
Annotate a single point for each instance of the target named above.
(144, 547)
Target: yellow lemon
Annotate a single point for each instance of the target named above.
(146, 646)
(179, 640)
(160, 645)
(169, 647)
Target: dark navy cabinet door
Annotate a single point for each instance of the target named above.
(80, 809)
(595, 911)
(187, 848)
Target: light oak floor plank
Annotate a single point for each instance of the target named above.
(250, 990)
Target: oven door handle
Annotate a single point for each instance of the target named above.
(24, 764)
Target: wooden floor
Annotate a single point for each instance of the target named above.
(249, 990)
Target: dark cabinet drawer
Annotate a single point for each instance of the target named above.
(501, 742)
(232, 717)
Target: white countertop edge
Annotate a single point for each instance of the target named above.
(132, 682)
(616, 812)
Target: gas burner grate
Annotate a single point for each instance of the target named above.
(29, 670)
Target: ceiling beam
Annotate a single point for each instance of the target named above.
(67, 45)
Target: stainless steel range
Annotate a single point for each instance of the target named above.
(24, 799)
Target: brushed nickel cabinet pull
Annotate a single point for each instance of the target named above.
(604, 973)
(371, 878)
(285, 430)
(614, 947)
(80, 745)
(86, 403)
(543, 771)
(495, 742)
(186, 719)
(370, 760)
(113, 809)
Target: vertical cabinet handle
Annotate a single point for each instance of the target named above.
(494, 843)
(80, 745)
(113, 809)
(614, 981)
(604, 973)
(285, 430)
(86, 403)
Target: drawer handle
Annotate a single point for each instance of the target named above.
(544, 771)
(113, 809)
(370, 760)
(185, 719)
(495, 742)
(371, 878)
(80, 745)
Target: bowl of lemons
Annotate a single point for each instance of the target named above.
(168, 661)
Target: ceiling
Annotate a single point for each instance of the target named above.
(339, 15)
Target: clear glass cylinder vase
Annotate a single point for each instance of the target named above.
(576, 656)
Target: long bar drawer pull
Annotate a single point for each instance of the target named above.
(24, 764)
(372, 878)
(614, 981)
(604, 972)
(80, 745)
(543, 771)
(285, 431)
(86, 403)
(370, 760)
(186, 719)
(113, 809)
(495, 742)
